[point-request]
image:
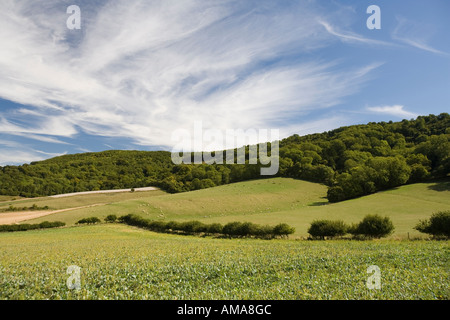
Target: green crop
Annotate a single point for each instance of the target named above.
(123, 262)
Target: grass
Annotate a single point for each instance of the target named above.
(122, 262)
(266, 201)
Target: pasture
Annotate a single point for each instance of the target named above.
(265, 201)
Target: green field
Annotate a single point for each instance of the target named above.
(122, 262)
(266, 201)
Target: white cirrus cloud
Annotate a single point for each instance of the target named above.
(143, 69)
(415, 34)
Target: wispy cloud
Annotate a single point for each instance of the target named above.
(142, 69)
(394, 110)
(16, 155)
(414, 34)
(350, 36)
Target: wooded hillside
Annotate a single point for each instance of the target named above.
(352, 161)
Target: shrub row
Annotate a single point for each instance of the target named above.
(91, 220)
(372, 226)
(26, 227)
(232, 229)
(33, 207)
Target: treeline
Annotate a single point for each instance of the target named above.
(352, 161)
(26, 227)
(232, 229)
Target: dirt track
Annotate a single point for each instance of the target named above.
(19, 216)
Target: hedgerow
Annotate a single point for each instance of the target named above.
(231, 229)
(26, 227)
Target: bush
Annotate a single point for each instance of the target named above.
(215, 228)
(91, 220)
(111, 218)
(173, 225)
(283, 230)
(327, 228)
(158, 226)
(438, 225)
(246, 229)
(336, 194)
(373, 226)
(232, 228)
(193, 227)
(265, 232)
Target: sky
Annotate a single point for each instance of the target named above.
(136, 71)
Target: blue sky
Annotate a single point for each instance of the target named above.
(137, 71)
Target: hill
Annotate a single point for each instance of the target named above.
(351, 161)
(265, 201)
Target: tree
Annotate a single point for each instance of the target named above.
(374, 226)
(438, 225)
(327, 228)
(283, 230)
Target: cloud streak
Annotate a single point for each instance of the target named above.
(414, 34)
(350, 36)
(394, 110)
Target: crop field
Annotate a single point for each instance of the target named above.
(122, 262)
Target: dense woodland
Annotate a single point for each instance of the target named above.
(352, 161)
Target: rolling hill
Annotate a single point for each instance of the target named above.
(265, 201)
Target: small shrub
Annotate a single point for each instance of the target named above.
(374, 226)
(336, 194)
(265, 232)
(173, 225)
(246, 229)
(158, 226)
(215, 228)
(193, 227)
(438, 225)
(111, 218)
(327, 228)
(232, 228)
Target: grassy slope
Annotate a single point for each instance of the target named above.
(75, 201)
(121, 262)
(268, 201)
